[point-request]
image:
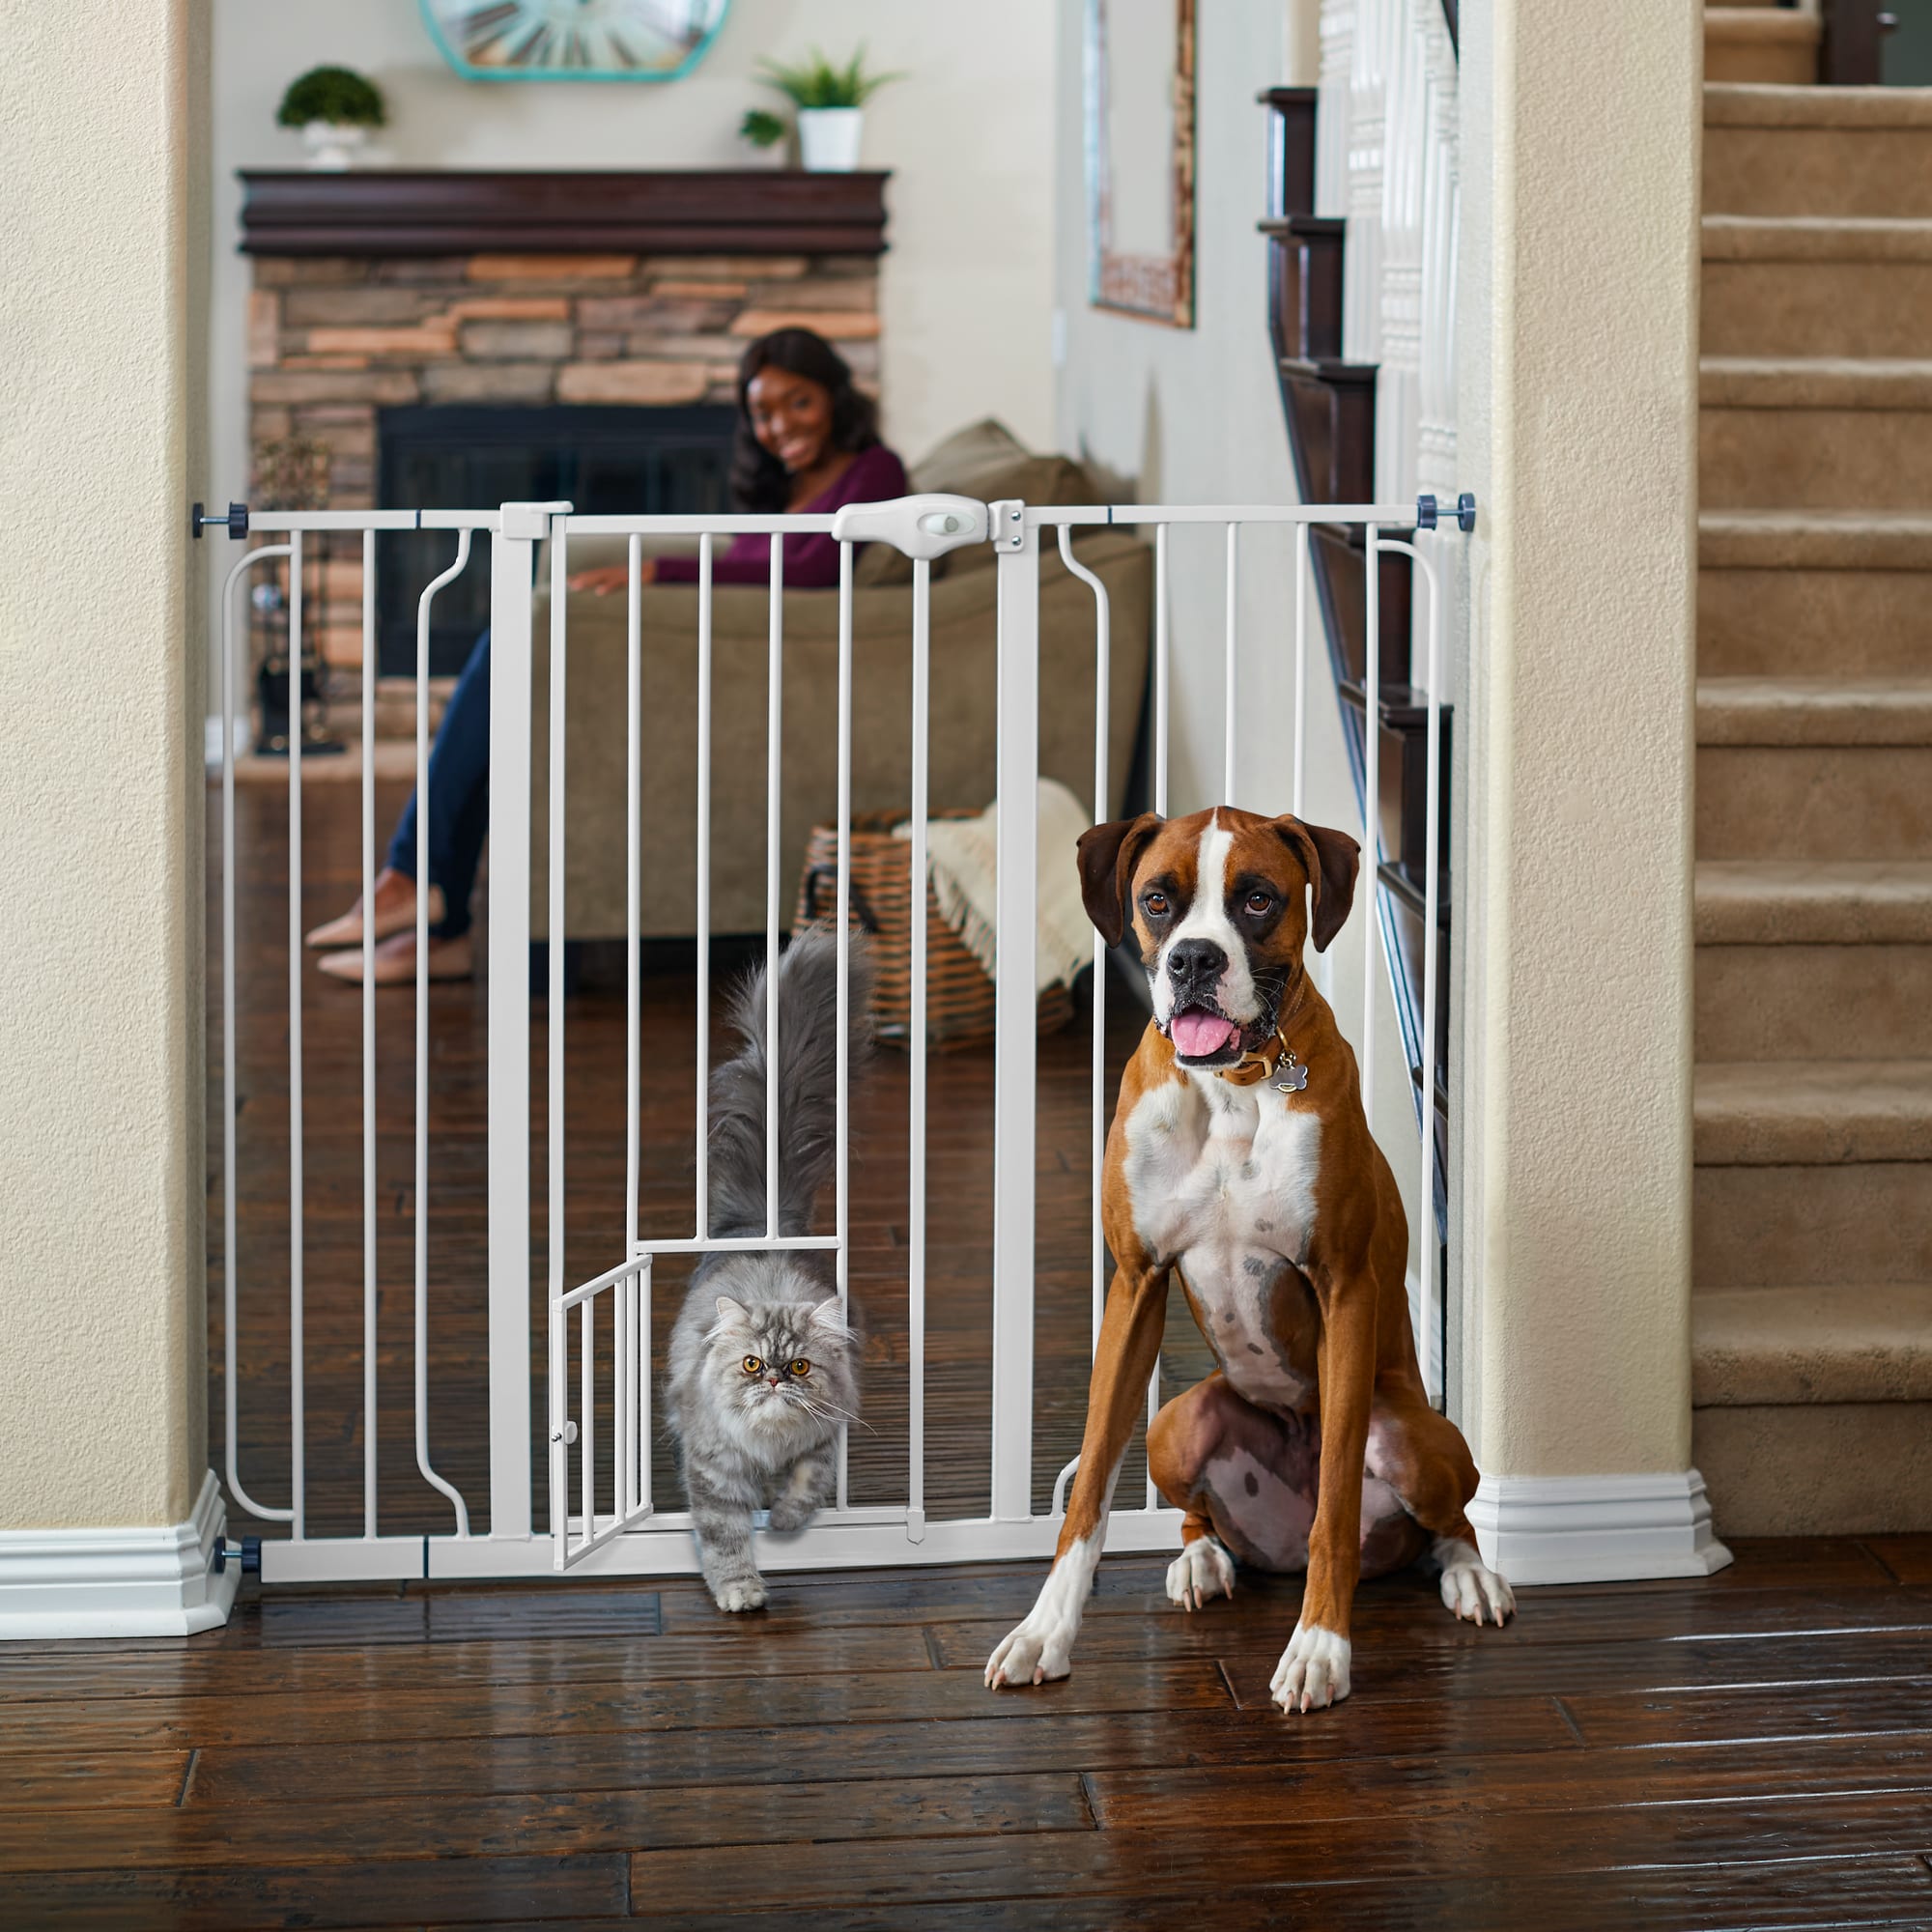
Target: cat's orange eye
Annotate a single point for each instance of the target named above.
(800, 1367)
(752, 1366)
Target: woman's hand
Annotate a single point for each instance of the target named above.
(607, 577)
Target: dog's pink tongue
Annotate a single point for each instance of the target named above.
(1197, 1035)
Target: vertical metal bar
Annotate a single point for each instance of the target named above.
(1431, 888)
(1229, 653)
(368, 1033)
(553, 955)
(841, 1186)
(703, 1209)
(511, 565)
(773, 731)
(422, 1035)
(587, 1398)
(230, 1298)
(559, 1447)
(1159, 667)
(1371, 698)
(1015, 1016)
(1300, 664)
(921, 700)
(634, 812)
(645, 1390)
(1102, 727)
(1102, 722)
(298, 1471)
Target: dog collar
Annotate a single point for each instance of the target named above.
(1263, 1063)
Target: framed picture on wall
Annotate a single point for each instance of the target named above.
(1140, 158)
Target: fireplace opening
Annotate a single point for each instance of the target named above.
(605, 460)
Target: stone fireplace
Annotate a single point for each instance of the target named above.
(518, 292)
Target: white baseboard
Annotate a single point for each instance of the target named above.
(1596, 1529)
(118, 1583)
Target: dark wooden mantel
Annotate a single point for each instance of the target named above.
(452, 211)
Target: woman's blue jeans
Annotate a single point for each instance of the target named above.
(459, 797)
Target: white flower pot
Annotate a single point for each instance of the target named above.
(331, 146)
(828, 139)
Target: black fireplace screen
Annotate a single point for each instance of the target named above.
(605, 461)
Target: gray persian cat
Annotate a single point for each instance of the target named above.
(763, 1368)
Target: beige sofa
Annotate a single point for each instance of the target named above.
(982, 463)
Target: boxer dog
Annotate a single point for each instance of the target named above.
(1239, 1158)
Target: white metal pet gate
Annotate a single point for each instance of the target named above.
(623, 1531)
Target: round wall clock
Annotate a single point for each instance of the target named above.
(574, 40)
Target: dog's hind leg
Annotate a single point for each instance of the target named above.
(1422, 1456)
(1244, 1479)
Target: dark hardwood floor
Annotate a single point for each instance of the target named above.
(1753, 1750)
(1748, 1751)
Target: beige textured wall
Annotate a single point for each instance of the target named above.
(1578, 415)
(100, 1030)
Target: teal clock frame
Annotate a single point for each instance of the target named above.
(469, 71)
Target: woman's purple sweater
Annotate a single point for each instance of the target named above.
(874, 475)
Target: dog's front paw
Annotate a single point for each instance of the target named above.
(1314, 1670)
(1203, 1570)
(1469, 1586)
(1034, 1652)
(740, 1593)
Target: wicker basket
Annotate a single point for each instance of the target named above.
(959, 994)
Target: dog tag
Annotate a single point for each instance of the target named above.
(1293, 1077)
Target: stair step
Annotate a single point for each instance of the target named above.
(1858, 1221)
(1814, 382)
(1795, 903)
(1828, 151)
(1812, 801)
(1811, 1112)
(1729, 104)
(1814, 539)
(1794, 431)
(1831, 1343)
(1814, 711)
(1816, 285)
(1760, 44)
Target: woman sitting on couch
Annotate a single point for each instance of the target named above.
(808, 442)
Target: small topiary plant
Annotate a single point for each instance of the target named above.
(762, 128)
(336, 94)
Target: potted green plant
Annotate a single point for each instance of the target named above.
(764, 130)
(334, 107)
(830, 102)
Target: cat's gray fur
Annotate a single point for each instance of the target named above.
(767, 1441)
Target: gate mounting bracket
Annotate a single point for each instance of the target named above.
(235, 523)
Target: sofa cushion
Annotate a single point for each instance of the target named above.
(952, 467)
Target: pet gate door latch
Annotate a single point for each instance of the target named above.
(922, 526)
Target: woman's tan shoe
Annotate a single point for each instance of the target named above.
(396, 960)
(395, 912)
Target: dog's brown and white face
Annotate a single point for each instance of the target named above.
(1219, 907)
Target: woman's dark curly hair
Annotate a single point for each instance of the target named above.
(759, 481)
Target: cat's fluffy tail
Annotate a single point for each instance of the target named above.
(807, 1085)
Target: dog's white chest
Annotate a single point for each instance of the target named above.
(1222, 1180)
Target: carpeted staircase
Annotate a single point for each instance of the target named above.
(1812, 1317)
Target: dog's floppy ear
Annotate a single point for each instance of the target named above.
(1108, 856)
(1331, 860)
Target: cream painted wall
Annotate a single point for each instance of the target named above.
(1193, 417)
(1578, 331)
(966, 286)
(100, 1033)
